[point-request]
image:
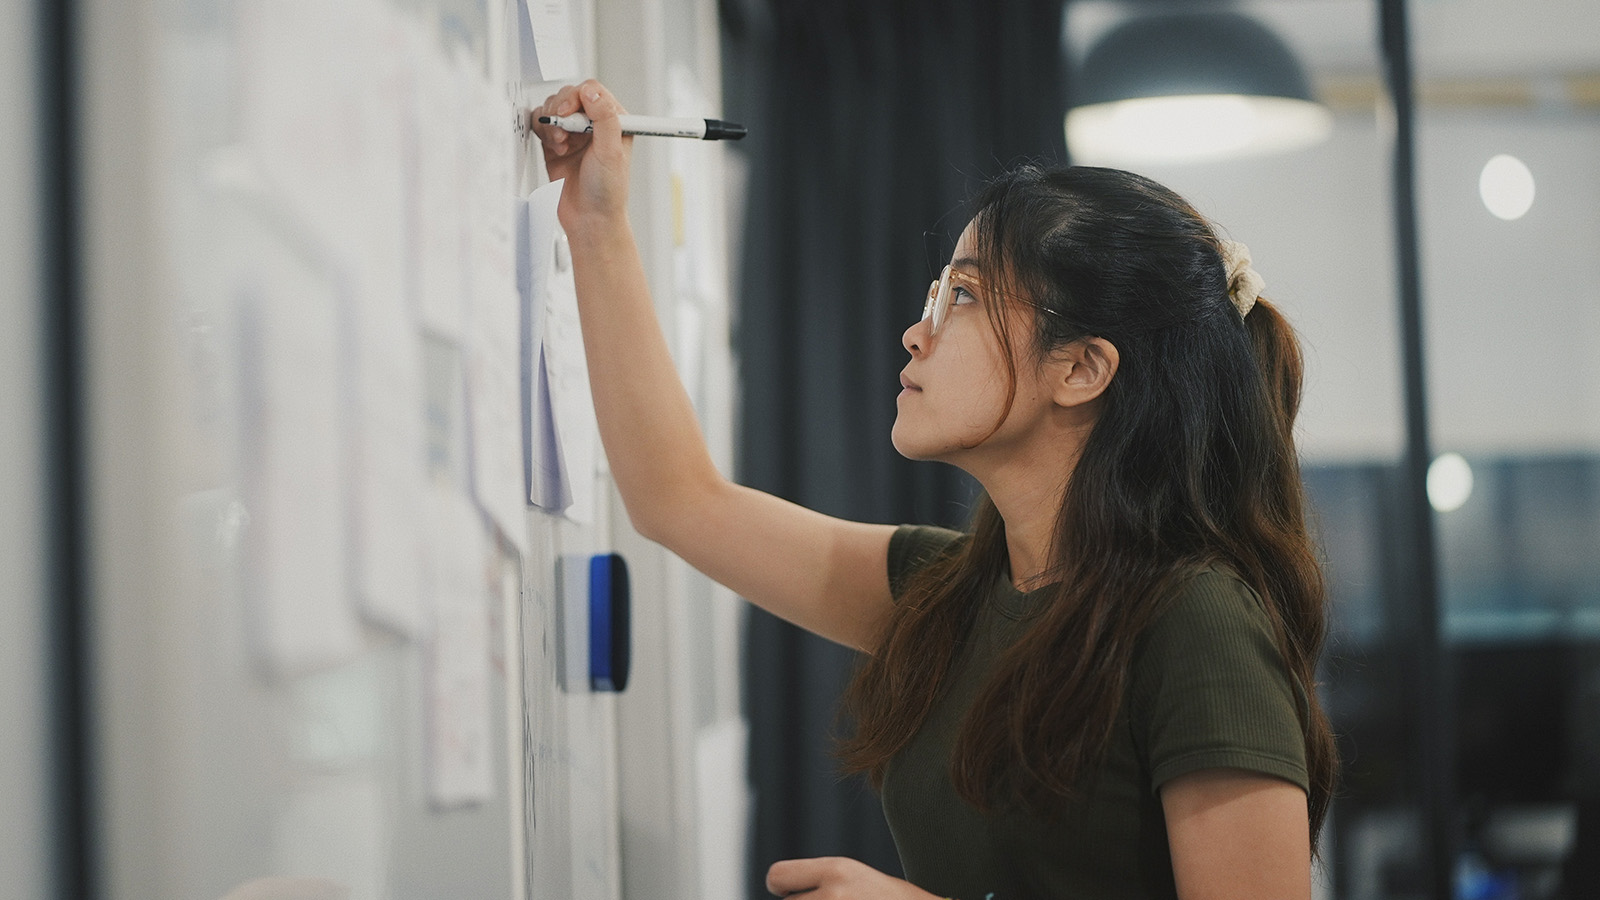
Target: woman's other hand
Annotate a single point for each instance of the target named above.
(595, 166)
(838, 878)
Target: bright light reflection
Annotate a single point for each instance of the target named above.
(1506, 187)
(1194, 128)
(1204, 126)
(1449, 482)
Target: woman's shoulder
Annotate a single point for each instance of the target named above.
(1210, 688)
(1209, 612)
(1212, 591)
(915, 546)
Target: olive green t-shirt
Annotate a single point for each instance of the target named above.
(1207, 689)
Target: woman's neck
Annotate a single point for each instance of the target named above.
(1027, 482)
(1029, 502)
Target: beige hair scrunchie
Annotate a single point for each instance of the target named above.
(1244, 283)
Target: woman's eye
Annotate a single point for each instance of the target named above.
(960, 295)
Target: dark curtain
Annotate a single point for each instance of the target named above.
(871, 124)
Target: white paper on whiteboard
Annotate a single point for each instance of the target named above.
(296, 586)
(545, 46)
(304, 83)
(390, 469)
(331, 832)
(570, 402)
(724, 804)
(436, 184)
(492, 340)
(544, 473)
(460, 740)
(390, 465)
(548, 485)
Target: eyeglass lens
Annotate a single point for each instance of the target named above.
(938, 300)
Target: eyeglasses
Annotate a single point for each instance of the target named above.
(942, 292)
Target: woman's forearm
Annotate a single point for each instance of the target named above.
(654, 446)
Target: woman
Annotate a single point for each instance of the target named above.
(1104, 690)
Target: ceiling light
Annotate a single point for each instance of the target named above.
(1506, 187)
(1449, 482)
(1191, 87)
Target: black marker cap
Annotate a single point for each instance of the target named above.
(718, 130)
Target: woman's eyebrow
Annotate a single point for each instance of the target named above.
(969, 268)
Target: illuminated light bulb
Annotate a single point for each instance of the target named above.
(1506, 187)
(1449, 482)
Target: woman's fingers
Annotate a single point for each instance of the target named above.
(838, 878)
(558, 141)
(594, 164)
(603, 111)
(567, 100)
(790, 876)
(590, 98)
(599, 104)
(564, 102)
(796, 876)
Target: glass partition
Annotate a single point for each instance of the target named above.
(1509, 200)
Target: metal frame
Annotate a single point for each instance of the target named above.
(1430, 692)
(71, 731)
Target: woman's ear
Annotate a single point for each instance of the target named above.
(1085, 368)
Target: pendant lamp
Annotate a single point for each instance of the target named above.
(1191, 87)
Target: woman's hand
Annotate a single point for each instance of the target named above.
(838, 878)
(594, 165)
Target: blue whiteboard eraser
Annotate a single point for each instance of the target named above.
(610, 631)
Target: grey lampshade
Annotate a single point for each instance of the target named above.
(1190, 53)
(1191, 87)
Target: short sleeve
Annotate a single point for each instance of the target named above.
(1209, 688)
(913, 546)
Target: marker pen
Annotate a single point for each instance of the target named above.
(659, 126)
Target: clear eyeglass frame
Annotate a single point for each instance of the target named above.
(942, 290)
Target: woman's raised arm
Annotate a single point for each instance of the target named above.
(824, 574)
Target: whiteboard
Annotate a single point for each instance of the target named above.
(324, 629)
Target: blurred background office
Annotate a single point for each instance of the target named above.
(1420, 189)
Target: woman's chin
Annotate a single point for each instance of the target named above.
(907, 445)
(897, 437)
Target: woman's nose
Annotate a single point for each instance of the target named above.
(916, 338)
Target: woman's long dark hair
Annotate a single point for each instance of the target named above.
(1192, 462)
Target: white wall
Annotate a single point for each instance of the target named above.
(1512, 308)
(25, 826)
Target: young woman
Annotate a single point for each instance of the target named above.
(1104, 690)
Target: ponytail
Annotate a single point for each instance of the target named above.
(1300, 611)
(1278, 355)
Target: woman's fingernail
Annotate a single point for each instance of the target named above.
(594, 95)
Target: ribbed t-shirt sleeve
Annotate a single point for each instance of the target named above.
(913, 546)
(1209, 689)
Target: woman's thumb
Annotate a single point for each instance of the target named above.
(602, 109)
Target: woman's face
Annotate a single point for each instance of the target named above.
(955, 385)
